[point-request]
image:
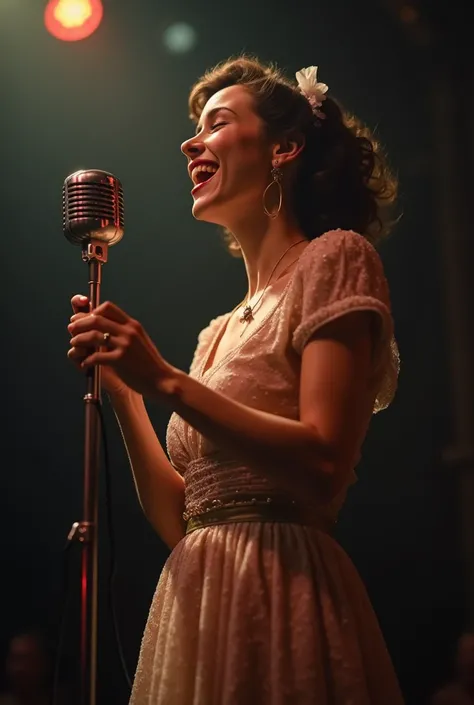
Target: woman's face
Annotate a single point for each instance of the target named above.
(229, 158)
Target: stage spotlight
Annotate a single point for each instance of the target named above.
(179, 38)
(72, 20)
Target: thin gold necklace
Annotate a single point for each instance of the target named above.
(247, 314)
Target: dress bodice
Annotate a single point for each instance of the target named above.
(337, 273)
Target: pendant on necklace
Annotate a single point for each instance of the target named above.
(247, 315)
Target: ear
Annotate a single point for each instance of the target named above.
(288, 149)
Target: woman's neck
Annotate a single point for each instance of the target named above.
(262, 243)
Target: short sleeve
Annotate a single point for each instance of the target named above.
(338, 273)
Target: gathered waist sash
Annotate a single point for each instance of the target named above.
(288, 513)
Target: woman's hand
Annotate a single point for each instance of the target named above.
(111, 382)
(119, 342)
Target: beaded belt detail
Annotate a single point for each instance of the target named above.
(289, 514)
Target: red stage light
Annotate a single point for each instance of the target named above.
(71, 20)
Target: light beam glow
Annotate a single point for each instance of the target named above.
(73, 20)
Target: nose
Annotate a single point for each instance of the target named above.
(192, 148)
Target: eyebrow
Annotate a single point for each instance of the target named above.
(213, 112)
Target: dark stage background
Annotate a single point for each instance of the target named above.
(117, 101)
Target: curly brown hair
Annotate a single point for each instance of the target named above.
(343, 181)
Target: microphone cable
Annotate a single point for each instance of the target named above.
(112, 547)
(112, 574)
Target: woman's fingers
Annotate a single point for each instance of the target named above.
(80, 306)
(112, 312)
(89, 332)
(92, 339)
(77, 316)
(80, 303)
(77, 354)
(103, 357)
(92, 321)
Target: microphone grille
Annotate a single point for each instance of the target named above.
(93, 207)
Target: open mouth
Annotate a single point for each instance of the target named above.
(202, 174)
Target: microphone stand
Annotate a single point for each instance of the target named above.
(94, 252)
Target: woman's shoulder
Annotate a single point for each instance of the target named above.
(335, 243)
(341, 256)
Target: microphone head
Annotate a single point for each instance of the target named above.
(92, 207)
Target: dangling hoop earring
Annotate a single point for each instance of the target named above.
(277, 175)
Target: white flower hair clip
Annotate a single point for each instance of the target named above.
(314, 92)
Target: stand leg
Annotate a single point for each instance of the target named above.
(89, 562)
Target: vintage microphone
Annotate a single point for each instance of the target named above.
(93, 219)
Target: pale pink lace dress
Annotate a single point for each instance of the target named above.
(266, 613)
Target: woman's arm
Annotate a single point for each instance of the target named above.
(159, 487)
(312, 455)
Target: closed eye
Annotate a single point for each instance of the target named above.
(217, 124)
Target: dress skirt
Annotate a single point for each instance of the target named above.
(262, 613)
